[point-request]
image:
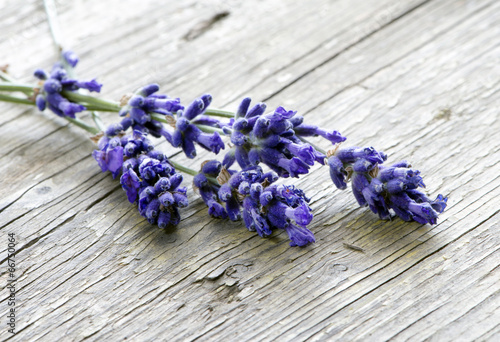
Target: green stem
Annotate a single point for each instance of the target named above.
(14, 99)
(55, 31)
(16, 87)
(210, 129)
(6, 77)
(98, 108)
(158, 117)
(83, 125)
(218, 112)
(98, 122)
(191, 172)
(183, 168)
(92, 103)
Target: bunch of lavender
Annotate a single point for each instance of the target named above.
(277, 140)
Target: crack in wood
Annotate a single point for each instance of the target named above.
(204, 26)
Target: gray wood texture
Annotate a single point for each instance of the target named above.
(418, 79)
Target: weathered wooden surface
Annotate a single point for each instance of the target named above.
(417, 79)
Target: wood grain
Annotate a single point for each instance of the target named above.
(417, 79)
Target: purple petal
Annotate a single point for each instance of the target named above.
(70, 57)
(299, 236)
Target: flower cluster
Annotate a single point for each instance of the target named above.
(205, 182)
(147, 176)
(253, 195)
(138, 114)
(187, 130)
(275, 139)
(384, 187)
(139, 107)
(54, 84)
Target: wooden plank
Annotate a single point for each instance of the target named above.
(417, 79)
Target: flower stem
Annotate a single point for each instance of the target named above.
(7, 78)
(92, 103)
(191, 172)
(4, 76)
(83, 125)
(183, 168)
(98, 122)
(55, 31)
(210, 129)
(9, 86)
(14, 99)
(218, 112)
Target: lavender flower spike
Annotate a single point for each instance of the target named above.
(146, 176)
(250, 194)
(275, 140)
(384, 188)
(143, 103)
(54, 84)
(186, 132)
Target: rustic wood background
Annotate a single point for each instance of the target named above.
(418, 79)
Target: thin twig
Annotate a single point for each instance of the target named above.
(55, 31)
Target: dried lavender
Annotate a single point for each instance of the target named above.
(238, 188)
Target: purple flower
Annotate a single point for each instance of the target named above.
(275, 140)
(186, 132)
(147, 177)
(400, 184)
(250, 194)
(304, 130)
(130, 183)
(208, 187)
(50, 94)
(70, 57)
(254, 218)
(384, 188)
(143, 103)
(299, 236)
(110, 157)
(338, 172)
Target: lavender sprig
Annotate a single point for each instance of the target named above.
(277, 140)
(58, 82)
